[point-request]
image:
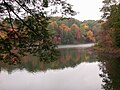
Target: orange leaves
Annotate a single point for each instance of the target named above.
(90, 35)
(64, 28)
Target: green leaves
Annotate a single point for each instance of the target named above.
(25, 27)
(45, 3)
(111, 10)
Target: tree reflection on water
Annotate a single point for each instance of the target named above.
(68, 58)
(110, 67)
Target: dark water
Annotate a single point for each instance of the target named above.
(76, 69)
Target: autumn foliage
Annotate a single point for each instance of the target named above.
(72, 31)
(90, 36)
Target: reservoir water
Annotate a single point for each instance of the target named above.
(77, 68)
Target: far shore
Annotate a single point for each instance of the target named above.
(76, 46)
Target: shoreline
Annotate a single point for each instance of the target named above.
(76, 46)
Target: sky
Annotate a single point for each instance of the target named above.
(88, 9)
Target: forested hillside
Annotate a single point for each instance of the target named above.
(72, 31)
(67, 30)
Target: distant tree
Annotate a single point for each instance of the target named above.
(90, 36)
(90, 23)
(64, 28)
(76, 32)
(66, 35)
(84, 27)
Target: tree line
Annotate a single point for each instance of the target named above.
(73, 31)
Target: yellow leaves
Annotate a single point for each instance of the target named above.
(3, 35)
(84, 26)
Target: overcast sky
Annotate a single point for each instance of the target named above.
(88, 9)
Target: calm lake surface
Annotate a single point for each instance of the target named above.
(78, 68)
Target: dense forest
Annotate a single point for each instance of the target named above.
(73, 31)
(63, 30)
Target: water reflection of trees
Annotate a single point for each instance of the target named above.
(67, 58)
(110, 67)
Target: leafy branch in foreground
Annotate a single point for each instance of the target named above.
(23, 28)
